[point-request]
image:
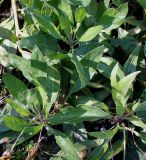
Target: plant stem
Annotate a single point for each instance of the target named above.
(14, 9)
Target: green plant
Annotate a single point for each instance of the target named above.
(75, 73)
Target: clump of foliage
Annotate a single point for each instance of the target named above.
(75, 71)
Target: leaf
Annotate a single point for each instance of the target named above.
(106, 3)
(78, 114)
(65, 7)
(116, 148)
(113, 76)
(15, 123)
(37, 54)
(43, 42)
(48, 26)
(113, 18)
(141, 110)
(66, 146)
(32, 130)
(27, 67)
(7, 34)
(89, 101)
(15, 86)
(131, 64)
(65, 25)
(18, 107)
(90, 33)
(118, 2)
(98, 152)
(80, 14)
(92, 58)
(126, 82)
(120, 102)
(137, 122)
(106, 66)
(84, 3)
(50, 86)
(80, 72)
(107, 134)
(4, 56)
(142, 3)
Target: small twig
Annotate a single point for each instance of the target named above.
(33, 151)
(16, 142)
(15, 15)
(111, 147)
(124, 135)
(136, 143)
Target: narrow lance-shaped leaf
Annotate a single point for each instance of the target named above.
(114, 76)
(65, 7)
(137, 122)
(15, 123)
(80, 14)
(48, 26)
(106, 66)
(107, 134)
(7, 34)
(15, 86)
(80, 73)
(91, 33)
(18, 107)
(125, 84)
(131, 64)
(112, 18)
(78, 114)
(66, 146)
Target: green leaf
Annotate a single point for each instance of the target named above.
(107, 134)
(32, 130)
(120, 101)
(37, 54)
(91, 33)
(113, 18)
(118, 2)
(48, 26)
(137, 122)
(116, 148)
(113, 77)
(125, 84)
(80, 71)
(98, 152)
(15, 123)
(78, 114)
(66, 146)
(92, 58)
(43, 42)
(7, 34)
(18, 107)
(131, 64)
(80, 14)
(65, 25)
(4, 56)
(50, 86)
(141, 110)
(28, 67)
(106, 66)
(142, 3)
(84, 3)
(65, 7)
(106, 3)
(15, 86)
